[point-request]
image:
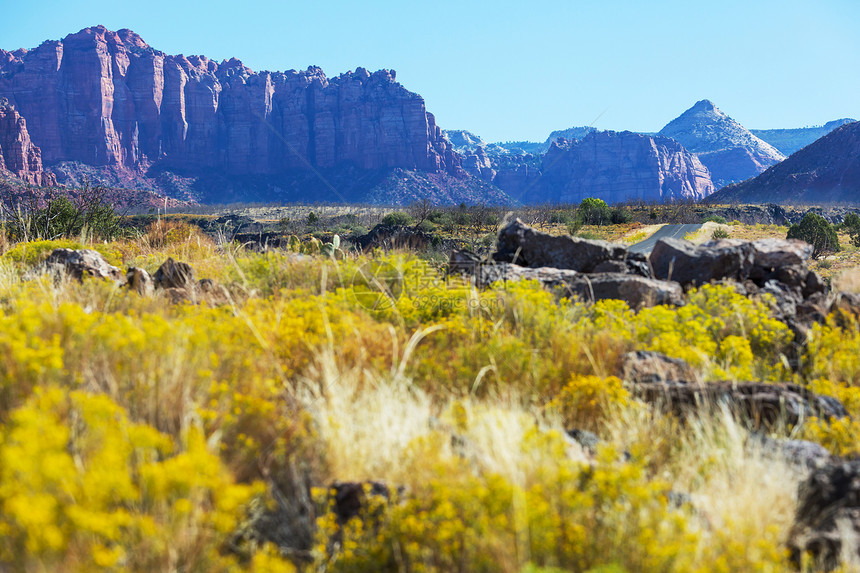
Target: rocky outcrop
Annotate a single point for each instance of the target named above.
(787, 141)
(18, 154)
(761, 261)
(586, 269)
(826, 171)
(82, 263)
(828, 515)
(761, 404)
(518, 243)
(730, 152)
(619, 166)
(648, 367)
(478, 164)
(107, 98)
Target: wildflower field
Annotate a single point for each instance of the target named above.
(141, 435)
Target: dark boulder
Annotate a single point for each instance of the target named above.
(173, 274)
(636, 291)
(692, 265)
(520, 244)
(776, 253)
(140, 281)
(828, 510)
(801, 454)
(79, 263)
(763, 405)
(643, 367)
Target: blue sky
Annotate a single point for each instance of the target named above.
(517, 70)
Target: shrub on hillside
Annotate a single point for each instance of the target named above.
(594, 211)
(851, 224)
(87, 212)
(397, 219)
(815, 230)
(619, 216)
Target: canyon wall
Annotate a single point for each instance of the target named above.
(18, 155)
(107, 98)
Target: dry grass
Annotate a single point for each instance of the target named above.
(754, 232)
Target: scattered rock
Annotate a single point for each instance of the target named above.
(690, 265)
(488, 273)
(828, 509)
(646, 367)
(520, 244)
(179, 295)
(140, 281)
(637, 264)
(636, 291)
(82, 262)
(799, 453)
(351, 497)
(611, 267)
(588, 441)
(775, 253)
(173, 274)
(395, 237)
(763, 405)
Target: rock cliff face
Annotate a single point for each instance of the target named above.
(729, 151)
(826, 171)
(18, 155)
(107, 98)
(617, 167)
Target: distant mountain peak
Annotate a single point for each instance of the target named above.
(729, 150)
(703, 105)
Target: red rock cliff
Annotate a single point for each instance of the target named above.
(107, 98)
(620, 166)
(18, 155)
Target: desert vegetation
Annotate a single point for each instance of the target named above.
(368, 411)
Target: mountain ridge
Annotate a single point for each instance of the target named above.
(729, 150)
(825, 171)
(108, 99)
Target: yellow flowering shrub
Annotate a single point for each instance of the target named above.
(841, 437)
(587, 401)
(83, 488)
(568, 515)
(34, 252)
(832, 352)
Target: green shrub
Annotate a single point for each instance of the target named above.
(563, 217)
(715, 219)
(620, 216)
(594, 211)
(815, 230)
(397, 219)
(851, 224)
(720, 234)
(426, 226)
(65, 217)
